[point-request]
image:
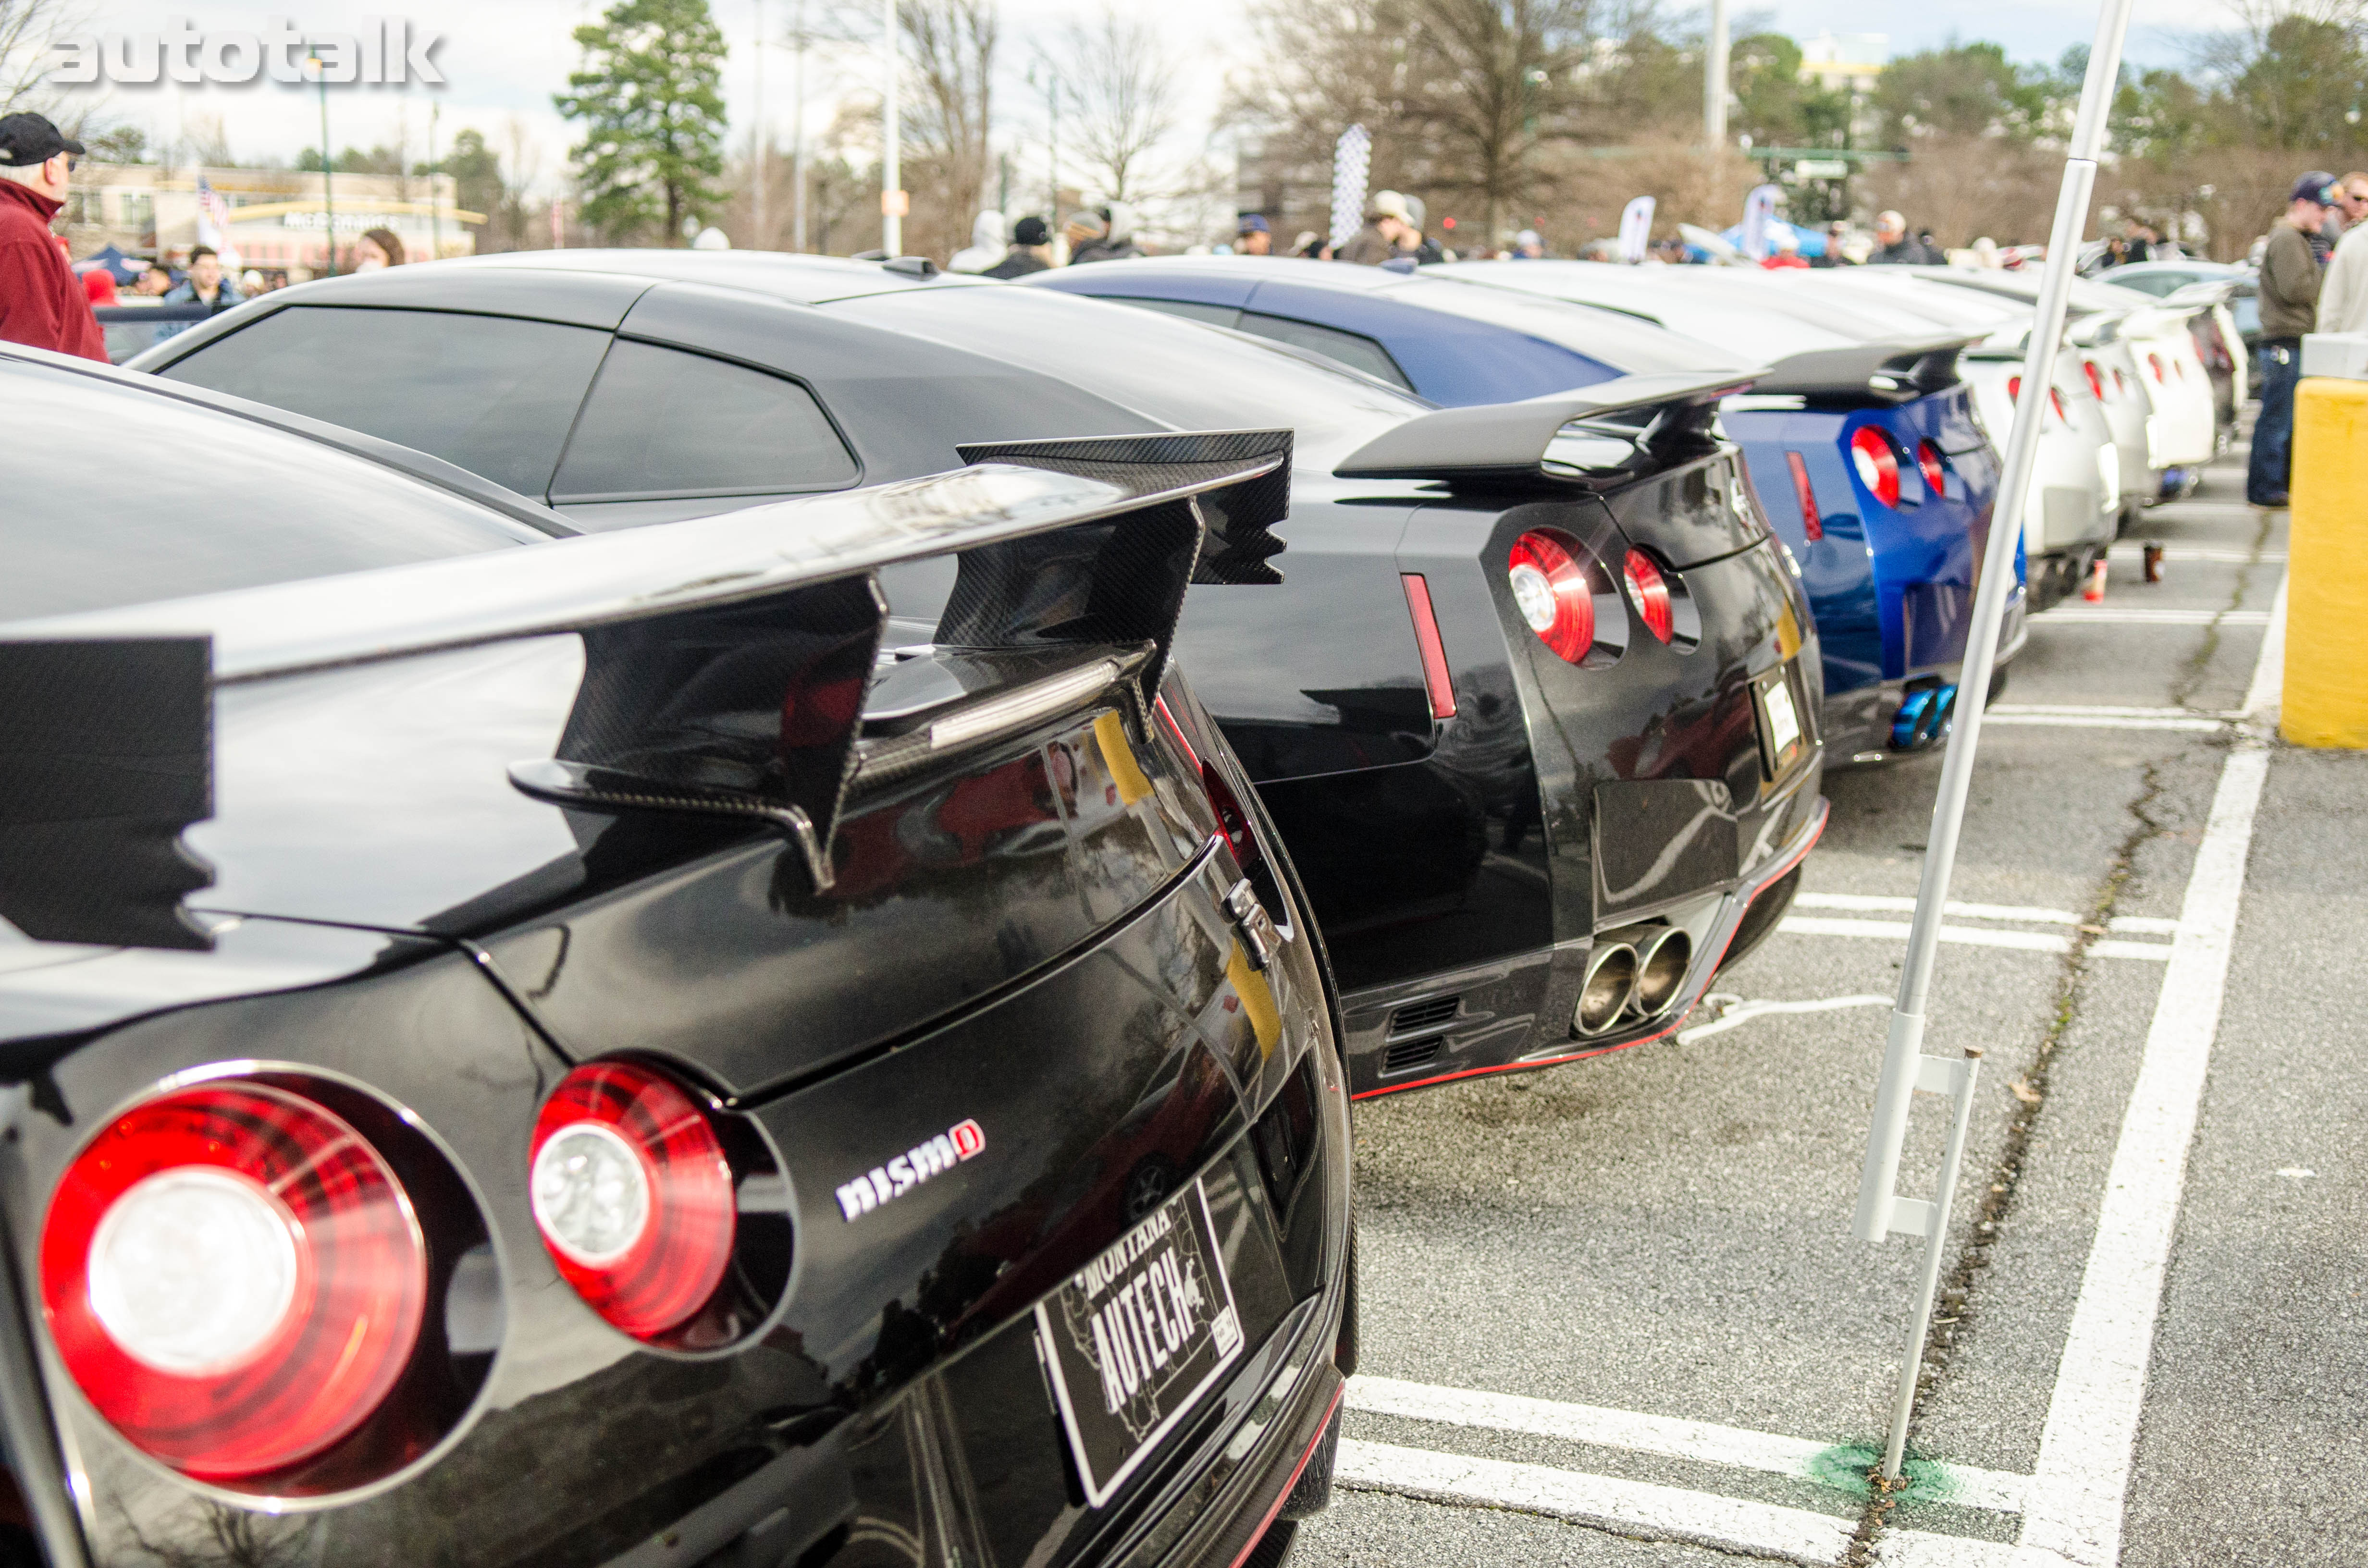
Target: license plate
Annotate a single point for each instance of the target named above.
(1134, 1338)
(1779, 724)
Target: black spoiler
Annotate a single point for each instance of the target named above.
(726, 662)
(1887, 370)
(1505, 442)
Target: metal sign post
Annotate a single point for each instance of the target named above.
(1904, 1067)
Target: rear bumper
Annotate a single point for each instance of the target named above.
(1516, 1013)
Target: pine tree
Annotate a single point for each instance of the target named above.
(650, 96)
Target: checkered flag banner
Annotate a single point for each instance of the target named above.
(1352, 159)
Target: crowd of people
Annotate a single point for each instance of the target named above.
(2313, 264)
(46, 301)
(2314, 277)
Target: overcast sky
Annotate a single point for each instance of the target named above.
(504, 59)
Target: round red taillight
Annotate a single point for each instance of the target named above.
(1649, 592)
(1551, 588)
(1936, 475)
(233, 1276)
(1877, 465)
(633, 1196)
(2096, 378)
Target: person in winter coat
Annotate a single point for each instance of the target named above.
(42, 302)
(986, 247)
(2290, 285)
(1031, 247)
(2344, 294)
(205, 285)
(1117, 239)
(1893, 247)
(1385, 224)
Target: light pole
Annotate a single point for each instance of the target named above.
(757, 135)
(328, 198)
(798, 137)
(435, 177)
(1052, 144)
(1715, 78)
(892, 173)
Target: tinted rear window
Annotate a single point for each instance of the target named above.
(120, 497)
(1186, 377)
(1358, 353)
(662, 422)
(493, 394)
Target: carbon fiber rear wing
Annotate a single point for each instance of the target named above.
(1505, 443)
(726, 664)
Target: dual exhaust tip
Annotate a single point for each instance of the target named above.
(1926, 715)
(1633, 974)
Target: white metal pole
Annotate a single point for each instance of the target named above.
(1903, 1047)
(798, 138)
(1936, 1241)
(892, 173)
(756, 216)
(1715, 78)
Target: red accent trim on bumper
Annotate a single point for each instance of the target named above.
(1767, 880)
(1283, 1495)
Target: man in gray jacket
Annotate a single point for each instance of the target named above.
(2289, 282)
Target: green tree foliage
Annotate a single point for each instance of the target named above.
(651, 99)
(1773, 105)
(2304, 88)
(476, 173)
(354, 161)
(1966, 89)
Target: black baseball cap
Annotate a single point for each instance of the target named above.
(27, 138)
(1031, 232)
(2312, 186)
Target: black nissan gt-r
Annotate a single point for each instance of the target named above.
(1531, 698)
(519, 1049)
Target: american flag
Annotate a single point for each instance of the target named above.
(213, 221)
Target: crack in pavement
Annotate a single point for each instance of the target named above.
(1956, 1303)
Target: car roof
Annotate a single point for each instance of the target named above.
(1620, 340)
(800, 279)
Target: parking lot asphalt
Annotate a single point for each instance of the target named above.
(1612, 1311)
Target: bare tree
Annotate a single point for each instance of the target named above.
(1122, 85)
(949, 49)
(518, 174)
(30, 30)
(1463, 98)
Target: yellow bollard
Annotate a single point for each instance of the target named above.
(2326, 699)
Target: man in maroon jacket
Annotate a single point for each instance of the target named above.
(41, 304)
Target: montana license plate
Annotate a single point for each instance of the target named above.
(1134, 1338)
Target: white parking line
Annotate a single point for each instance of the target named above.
(2028, 720)
(2087, 615)
(2027, 913)
(1638, 1433)
(1970, 937)
(2136, 552)
(1919, 1549)
(1635, 1508)
(1744, 1012)
(2269, 670)
(2088, 1444)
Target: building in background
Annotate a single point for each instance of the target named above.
(1845, 61)
(274, 218)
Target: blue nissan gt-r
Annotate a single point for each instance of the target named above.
(1863, 445)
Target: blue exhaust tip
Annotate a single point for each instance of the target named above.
(1925, 716)
(1907, 724)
